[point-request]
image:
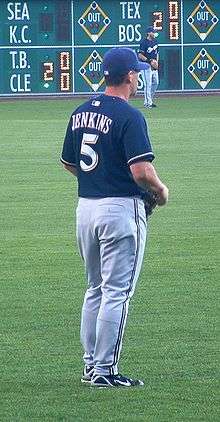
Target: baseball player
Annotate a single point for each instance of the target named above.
(149, 53)
(108, 149)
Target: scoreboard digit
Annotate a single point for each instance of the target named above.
(65, 71)
(56, 47)
(171, 18)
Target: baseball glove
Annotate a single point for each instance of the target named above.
(154, 64)
(150, 202)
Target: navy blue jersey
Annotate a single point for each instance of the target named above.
(104, 136)
(149, 48)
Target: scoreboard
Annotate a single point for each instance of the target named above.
(56, 47)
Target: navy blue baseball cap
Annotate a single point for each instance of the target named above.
(120, 60)
(150, 29)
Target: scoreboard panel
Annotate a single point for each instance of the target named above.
(56, 47)
(35, 23)
(119, 22)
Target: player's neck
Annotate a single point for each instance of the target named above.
(121, 92)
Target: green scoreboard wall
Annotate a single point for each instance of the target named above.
(55, 47)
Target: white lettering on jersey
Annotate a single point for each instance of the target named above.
(84, 119)
(91, 120)
(150, 49)
(102, 123)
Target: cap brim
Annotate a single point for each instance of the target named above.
(143, 66)
(148, 31)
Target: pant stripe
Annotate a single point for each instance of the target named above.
(138, 244)
(120, 333)
(124, 309)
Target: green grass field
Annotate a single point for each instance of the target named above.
(171, 340)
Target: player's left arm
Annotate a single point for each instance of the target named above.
(136, 140)
(139, 156)
(71, 169)
(146, 177)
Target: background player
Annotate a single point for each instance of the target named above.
(108, 149)
(149, 53)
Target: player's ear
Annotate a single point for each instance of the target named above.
(129, 77)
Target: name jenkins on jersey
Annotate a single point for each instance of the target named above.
(89, 119)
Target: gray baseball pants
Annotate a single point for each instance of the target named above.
(151, 81)
(111, 234)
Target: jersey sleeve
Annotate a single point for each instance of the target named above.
(136, 140)
(68, 152)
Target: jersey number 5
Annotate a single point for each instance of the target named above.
(87, 139)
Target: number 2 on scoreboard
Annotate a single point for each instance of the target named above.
(48, 71)
(158, 21)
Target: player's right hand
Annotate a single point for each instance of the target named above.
(154, 64)
(162, 196)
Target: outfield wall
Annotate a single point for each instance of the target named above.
(56, 47)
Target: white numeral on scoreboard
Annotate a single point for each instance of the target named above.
(65, 71)
(174, 20)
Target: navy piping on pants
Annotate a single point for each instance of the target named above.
(123, 316)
